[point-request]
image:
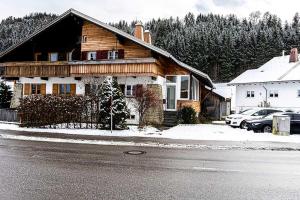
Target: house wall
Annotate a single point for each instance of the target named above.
(80, 89)
(100, 39)
(287, 99)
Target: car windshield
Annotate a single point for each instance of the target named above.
(249, 112)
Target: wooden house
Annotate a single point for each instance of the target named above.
(62, 57)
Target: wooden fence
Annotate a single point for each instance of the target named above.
(9, 115)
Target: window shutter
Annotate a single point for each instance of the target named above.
(103, 54)
(84, 55)
(138, 90)
(73, 89)
(55, 89)
(26, 89)
(43, 89)
(121, 54)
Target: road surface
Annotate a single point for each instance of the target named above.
(40, 170)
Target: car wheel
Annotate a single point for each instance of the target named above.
(267, 129)
(243, 125)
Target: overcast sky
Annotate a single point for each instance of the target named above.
(115, 10)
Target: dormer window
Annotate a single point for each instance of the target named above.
(92, 55)
(112, 55)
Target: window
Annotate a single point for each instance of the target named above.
(171, 79)
(64, 89)
(298, 93)
(250, 94)
(184, 87)
(131, 117)
(92, 55)
(112, 55)
(261, 113)
(195, 89)
(273, 93)
(84, 39)
(130, 90)
(53, 57)
(35, 88)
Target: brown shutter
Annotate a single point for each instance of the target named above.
(43, 89)
(103, 54)
(121, 54)
(73, 89)
(26, 89)
(55, 89)
(84, 55)
(98, 55)
(138, 90)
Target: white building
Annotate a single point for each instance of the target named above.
(275, 84)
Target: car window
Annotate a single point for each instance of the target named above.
(270, 116)
(290, 114)
(260, 113)
(249, 112)
(296, 117)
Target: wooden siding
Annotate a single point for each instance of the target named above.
(100, 39)
(137, 69)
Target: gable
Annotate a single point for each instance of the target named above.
(98, 38)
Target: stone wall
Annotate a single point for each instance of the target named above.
(155, 116)
(17, 94)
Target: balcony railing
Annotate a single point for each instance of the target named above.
(132, 67)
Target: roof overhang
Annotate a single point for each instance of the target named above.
(116, 31)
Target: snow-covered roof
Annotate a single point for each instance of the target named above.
(116, 31)
(277, 69)
(223, 90)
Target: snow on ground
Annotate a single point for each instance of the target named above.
(133, 131)
(184, 132)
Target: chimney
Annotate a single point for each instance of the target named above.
(294, 55)
(139, 31)
(147, 37)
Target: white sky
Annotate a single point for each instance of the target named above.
(115, 10)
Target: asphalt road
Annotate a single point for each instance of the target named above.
(39, 170)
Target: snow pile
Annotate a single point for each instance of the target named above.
(223, 133)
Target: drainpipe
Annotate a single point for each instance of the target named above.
(266, 95)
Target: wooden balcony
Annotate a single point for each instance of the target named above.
(133, 67)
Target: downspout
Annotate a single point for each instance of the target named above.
(266, 102)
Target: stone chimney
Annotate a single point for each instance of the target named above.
(139, 31)
(147, 37)
(294, 55)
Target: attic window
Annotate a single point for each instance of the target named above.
(84, 39)
(262, 70)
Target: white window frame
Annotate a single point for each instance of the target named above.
(189, 85)
(250, 93)
(195, 90)
(112, 55)
(272, 94)
(131, 90)
(92, 54)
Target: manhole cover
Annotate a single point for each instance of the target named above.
(135, 152)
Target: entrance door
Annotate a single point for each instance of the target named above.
(171, 97)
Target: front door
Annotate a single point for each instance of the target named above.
(171, 97)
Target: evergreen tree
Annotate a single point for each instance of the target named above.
(5, 95)
(118, 105)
